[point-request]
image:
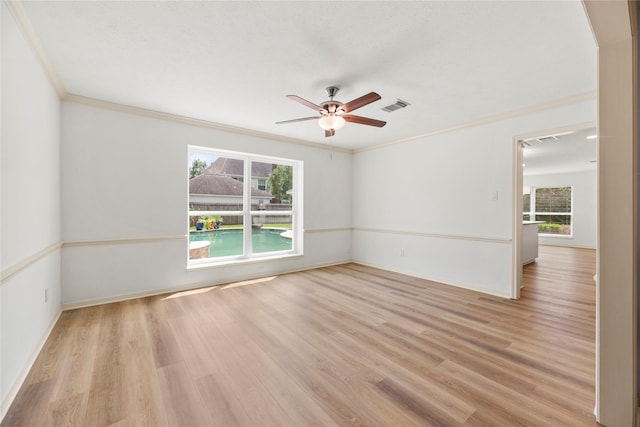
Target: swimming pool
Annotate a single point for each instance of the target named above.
(229, 242)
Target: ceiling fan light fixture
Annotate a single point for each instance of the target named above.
(334, 114)
(331, 121)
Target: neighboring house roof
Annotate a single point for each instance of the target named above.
(220, 185)
(235, 167)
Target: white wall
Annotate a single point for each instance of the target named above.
(124, 177)
(30, 205)
(585, 206)
(431, 197)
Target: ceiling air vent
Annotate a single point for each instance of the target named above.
(547, 138)
(398, 105)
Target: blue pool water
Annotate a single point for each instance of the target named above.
(229, 242)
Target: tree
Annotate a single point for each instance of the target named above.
(197, 167)
(280, 181)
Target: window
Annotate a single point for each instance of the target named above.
(243, 206)
(552, 206)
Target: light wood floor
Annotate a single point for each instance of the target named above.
(335, 346)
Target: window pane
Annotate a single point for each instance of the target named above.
(216, 236)
(526, 217)
(271, 184)
(271, 233)
(554, 224)
(272, 220)
(227, 223)
(526, 203)
(218, 186)
(553, 199)
(260, 197)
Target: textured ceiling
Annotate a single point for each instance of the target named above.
(233, 62)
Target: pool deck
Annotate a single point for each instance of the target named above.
(287, 234)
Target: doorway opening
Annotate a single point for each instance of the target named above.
(555, 193)
(556, 206)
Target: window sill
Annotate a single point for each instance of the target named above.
(241, 261)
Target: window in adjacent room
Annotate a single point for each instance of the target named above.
(242, 206)
(552, 206)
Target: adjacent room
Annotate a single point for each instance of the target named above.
(310, 213)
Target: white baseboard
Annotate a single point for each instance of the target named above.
(457, 285)
(13, 391)
(149, 293)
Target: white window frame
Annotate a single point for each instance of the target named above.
(533, 213)
(295, 211)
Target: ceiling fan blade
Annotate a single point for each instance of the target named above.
(298, 120)
(360, 102)
(305, 102)
(329, 132)
(363, 120)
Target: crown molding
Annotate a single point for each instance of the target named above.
(21, 18)
(93, 102)
(576, 99)
(17, 10)
(19, 13)
(98, 103)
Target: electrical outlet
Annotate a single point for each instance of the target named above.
(401, 252)
(46, 294)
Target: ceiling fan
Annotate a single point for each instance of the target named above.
(334, 114)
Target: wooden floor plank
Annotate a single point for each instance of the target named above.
(341, 345)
